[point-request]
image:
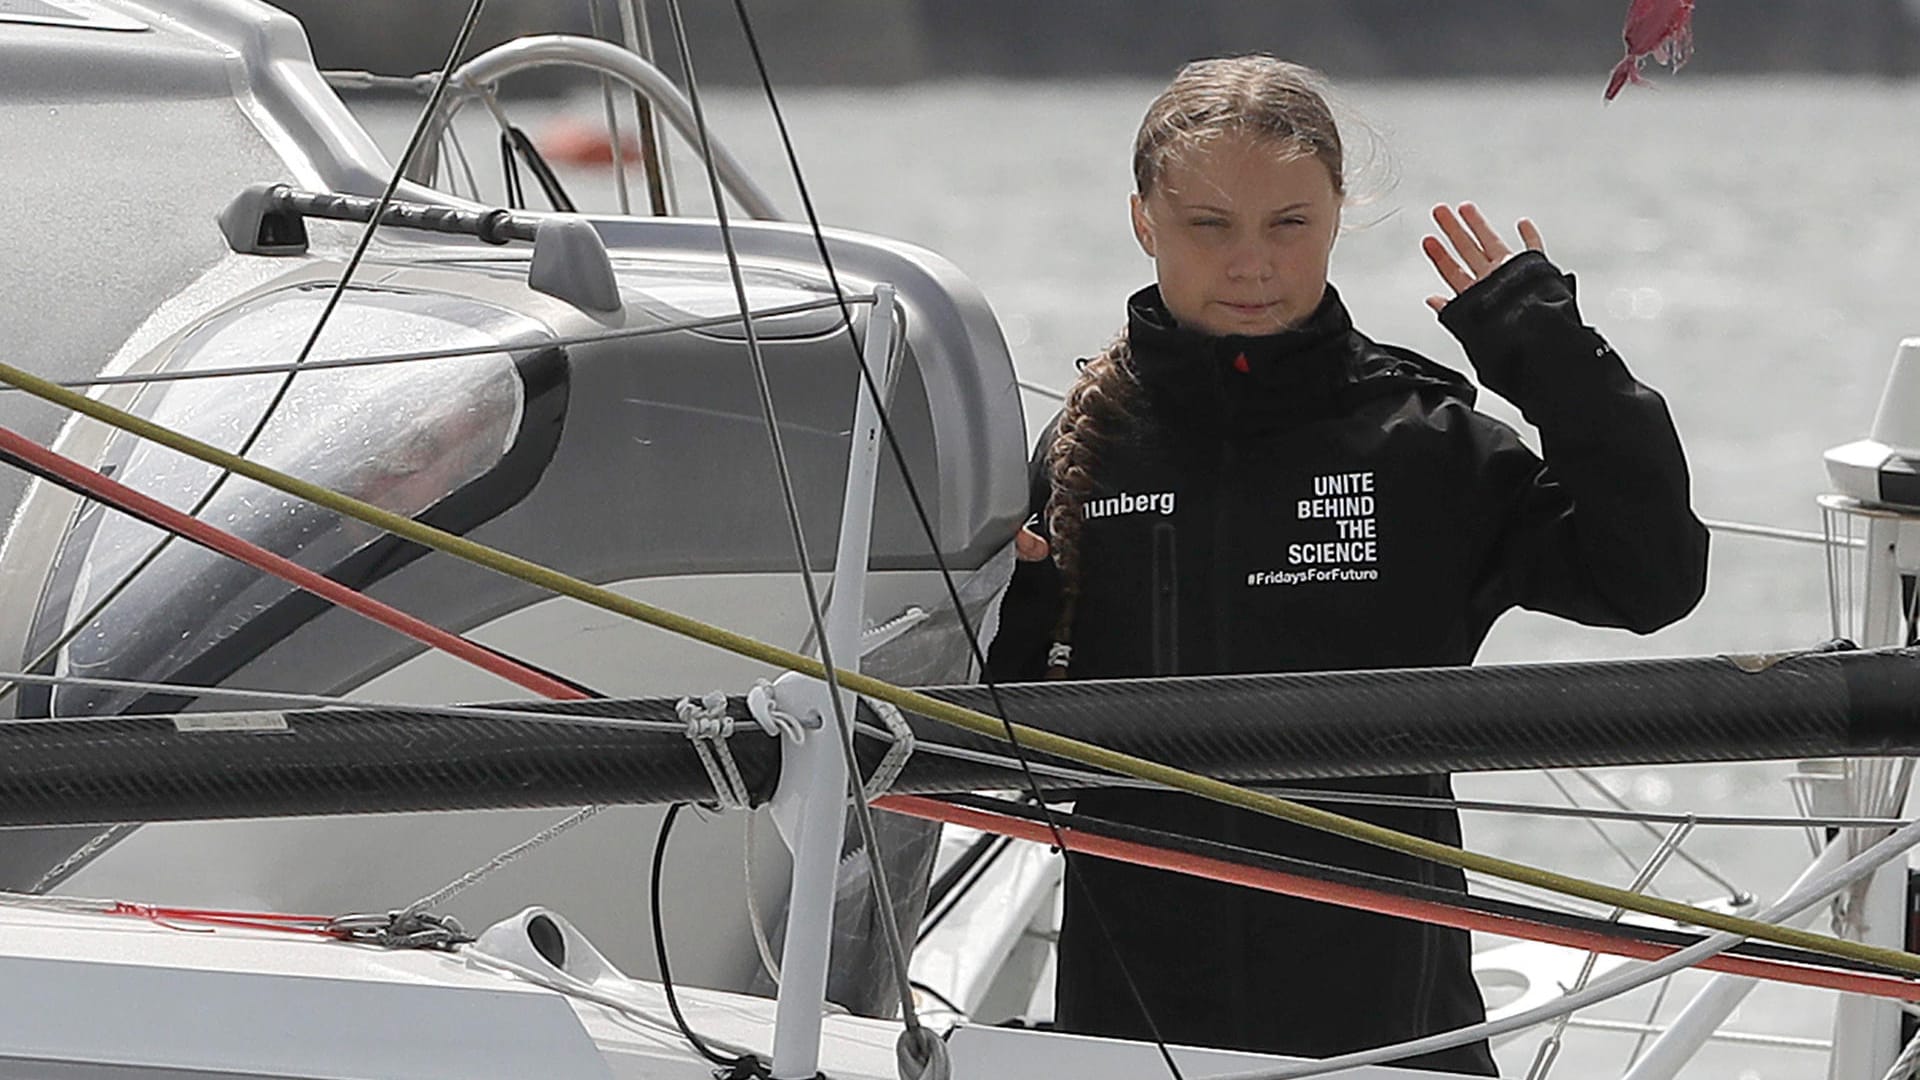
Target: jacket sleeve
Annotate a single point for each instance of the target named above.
(1032, 602)
(1601, 531)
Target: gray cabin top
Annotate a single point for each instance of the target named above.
(136, 126)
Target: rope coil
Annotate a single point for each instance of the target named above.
(401, 930)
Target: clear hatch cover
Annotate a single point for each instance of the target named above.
(402, 436)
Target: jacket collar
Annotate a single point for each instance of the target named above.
(1236, 381)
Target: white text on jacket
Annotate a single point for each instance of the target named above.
(1125, 503)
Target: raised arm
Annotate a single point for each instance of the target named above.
(1601, 531)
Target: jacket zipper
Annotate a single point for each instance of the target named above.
(1424, 978)
(1424, 975)
(1221, 600)
(1166, 600)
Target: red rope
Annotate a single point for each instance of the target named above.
(314, 925)
(1380, 903)
(157, 513)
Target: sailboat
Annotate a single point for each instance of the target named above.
(585, 392)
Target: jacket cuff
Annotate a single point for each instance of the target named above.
(1505, 315)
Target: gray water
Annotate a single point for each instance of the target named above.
(1751, 247)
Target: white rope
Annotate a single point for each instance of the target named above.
(1593, 824)
(329, 702)
(1773, 532)
(1089, 778)
(754, 918)
(454, 352)
(771, 718)
(1903, 1066)
(919, 1054)
(80, 855)
(1614, 985)
(1549, 1049)
(1735, 894)
(774, 720)
(1043, 391)
(898, 751)
(472, 877)
(71, 905)
(708, 727)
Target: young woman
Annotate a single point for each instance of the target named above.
(1243, 482)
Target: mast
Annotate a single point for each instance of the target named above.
(1873, 581)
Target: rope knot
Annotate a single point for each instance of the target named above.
(922, 1055)
(401, 930)
(770, 716)
(707, 718)
(708, 728)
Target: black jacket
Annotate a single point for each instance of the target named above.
(1313, 500)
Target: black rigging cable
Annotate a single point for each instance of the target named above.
(745, 1066)
(512, 141)
(958, 881)
(926, 525)
(918, 1045)
(958, 889)
(516, 199)
(936, 995)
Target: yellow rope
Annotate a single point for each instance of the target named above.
(977, 722)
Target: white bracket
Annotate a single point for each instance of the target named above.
(813, 775)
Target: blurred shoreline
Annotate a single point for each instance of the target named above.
(885, 42)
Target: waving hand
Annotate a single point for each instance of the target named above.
(1477, 248)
